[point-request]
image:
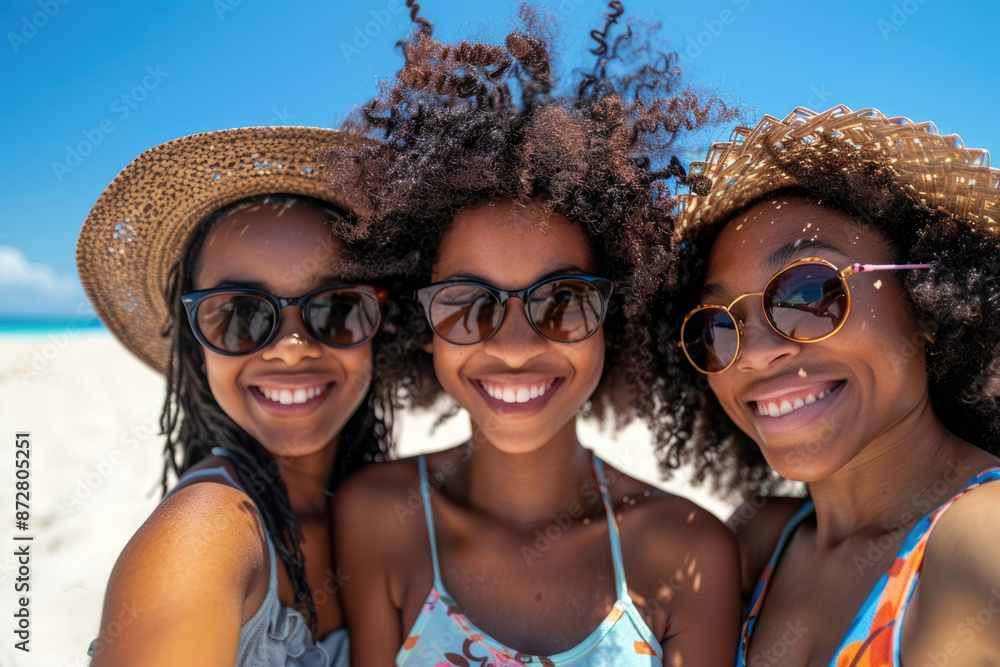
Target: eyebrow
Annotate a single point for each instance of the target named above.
(562, 270)
(315, 283)
(784, 255)
(779, 259)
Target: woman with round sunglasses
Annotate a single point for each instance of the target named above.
(836, 295)
(214, 259)
(533, 246)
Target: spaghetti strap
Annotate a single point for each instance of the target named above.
(442, 634)
(616, 547)
(425, 492)
(217, 471)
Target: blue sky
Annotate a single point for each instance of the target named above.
(86, 87)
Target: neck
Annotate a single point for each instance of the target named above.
(906, 472)
(307, 479)
(526, 489)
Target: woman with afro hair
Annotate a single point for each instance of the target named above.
(534, 229)
(838, 289)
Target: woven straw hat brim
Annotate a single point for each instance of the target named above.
(938, 171)
(138, 228)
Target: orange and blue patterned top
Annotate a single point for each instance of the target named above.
(443, 637)
(873, 639)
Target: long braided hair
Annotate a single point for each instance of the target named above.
(193, 422)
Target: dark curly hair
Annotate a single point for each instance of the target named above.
(193, 422)
(471, 123)
(956, 303)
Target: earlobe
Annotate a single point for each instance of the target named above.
(429, 346)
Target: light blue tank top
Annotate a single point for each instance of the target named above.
(276, 634)
(442, 635)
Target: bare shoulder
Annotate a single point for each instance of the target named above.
(191, 574)
(660, 525)
(381, 495)
(388, 493)
(682, 566)
(381, 542)
(965, 542)
(195, 521)
(757, 525)
(958, 593)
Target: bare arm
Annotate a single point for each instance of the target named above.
(757, 525)
(366, 535)
(954, 616)
(704, 623)
(178, 591)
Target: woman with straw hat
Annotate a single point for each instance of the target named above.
(838, 290)
(213, 259)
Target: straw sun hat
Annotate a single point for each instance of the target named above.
(937, 170)
(137, 230)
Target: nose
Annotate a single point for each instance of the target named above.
(292, 343)
(761, 345)
(516, 341)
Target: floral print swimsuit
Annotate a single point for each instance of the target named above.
(873, 640)
(443, 637)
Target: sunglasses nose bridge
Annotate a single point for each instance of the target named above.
(292, 326)
(740, 298)
(515, 330)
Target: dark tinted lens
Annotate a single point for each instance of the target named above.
(566, 310)
(806, 302)
(343, 317)
(464, 314)
(711, 339)
(235, 323)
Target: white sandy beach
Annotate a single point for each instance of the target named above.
(92, 410)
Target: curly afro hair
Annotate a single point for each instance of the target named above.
(468, 124)
(955, 301)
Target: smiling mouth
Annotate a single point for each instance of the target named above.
(285, 396)
(513, 393)
(517, 398)
(785, 405)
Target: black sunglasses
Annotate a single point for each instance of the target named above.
(242, 320)
(567, 308)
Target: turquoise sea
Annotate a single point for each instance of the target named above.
(26, 326)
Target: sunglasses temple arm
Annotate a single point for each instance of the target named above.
(863, 268)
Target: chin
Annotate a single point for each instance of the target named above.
(804, 463)
(295, 446)
(515, 443)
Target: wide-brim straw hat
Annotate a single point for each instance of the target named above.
(936, 170)
(139, 226)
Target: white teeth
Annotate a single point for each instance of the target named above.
(774, 410)
(291, 396)
(516, 394)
